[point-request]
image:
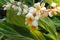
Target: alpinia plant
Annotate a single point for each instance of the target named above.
(25, 22)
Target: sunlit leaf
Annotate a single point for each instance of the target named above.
(56, 1)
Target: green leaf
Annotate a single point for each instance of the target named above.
(49, 26)
(37, 35)
(19, 33)
(56, 21)
(10, 32)
(13, 18)
(56, 1)
(49, 1)
(58, 36)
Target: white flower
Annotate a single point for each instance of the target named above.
(18, 3)
(53, 4)
(42, 4)
(19, 11)
(35, 23)
(12, 1)
(14, 7)
(25, 11)
(36, 4)
(36, 18)
(38, 14)
(6, 7)
(25, 6)
(50, 14)
(32, 9)
(43, 8)
(29, 18)
(29, 15)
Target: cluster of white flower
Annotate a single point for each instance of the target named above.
(33, 13)
(16, 6)
(38, 11)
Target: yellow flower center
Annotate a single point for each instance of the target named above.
(29, 20)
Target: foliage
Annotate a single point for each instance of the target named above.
(14, 28)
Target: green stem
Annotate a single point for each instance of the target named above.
(33, 2)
